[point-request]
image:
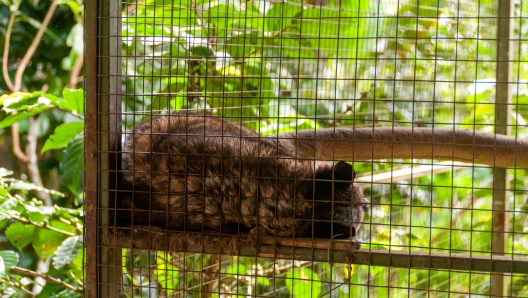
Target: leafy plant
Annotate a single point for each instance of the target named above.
(51, 232)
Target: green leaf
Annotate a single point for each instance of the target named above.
(14, 100)
(37, 25)
(14, 118)
(22, 103)
(75, 98)
(75, 6)
(71, 166)
(303, 282)
(45, 241)
(10, 258)
(37, 218)
(23, 185)
(44, 210)
(2, 267)
(237, 269)
(178, 102)
(202, 51)
(63, 135)
(167, 274)
(19, 234)
(67, 251)
(66, 293)
(7, 205)
(281, 16)
(5, 172)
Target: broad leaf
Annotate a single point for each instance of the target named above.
(71, 167)
(5, 172)
(67, 251)
(281, 16)
(63, 135)
(167, 274)
(45, 241)
(3, 193)
(12, 100)
(19, 234)
(7, 205)
(14, 118)
(10, 258)
(23, 185)
(303, 282)
(75, 99)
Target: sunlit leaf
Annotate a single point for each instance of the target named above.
(167, 274)
(5, 172)
(13, 99)
(10, 258)
(281, 16)
(23, 185)
(303, 282)
(63, 135)
(67, 251)
(75, 99)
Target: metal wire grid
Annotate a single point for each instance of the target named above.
(398, 86)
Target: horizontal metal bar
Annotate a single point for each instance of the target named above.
(341, 251)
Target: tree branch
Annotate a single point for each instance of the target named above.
(16, 285)
(43, 225)
(416, 143)
(33, 47)
(46, 277)
(15, 139)
(75, 72)
(42, 268)
(5, 57)
(32, 165)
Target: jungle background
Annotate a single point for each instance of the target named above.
(276, 67)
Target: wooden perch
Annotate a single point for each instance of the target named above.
(413, 143)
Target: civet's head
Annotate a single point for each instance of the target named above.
(339, 202)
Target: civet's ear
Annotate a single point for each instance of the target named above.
(344, 171)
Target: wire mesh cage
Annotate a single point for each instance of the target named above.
(318, 148)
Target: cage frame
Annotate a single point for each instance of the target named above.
(102, 162)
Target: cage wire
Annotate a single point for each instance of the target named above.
(416, 85)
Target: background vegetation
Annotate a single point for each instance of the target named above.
(279, 67)
(276, 67)
(41, 125)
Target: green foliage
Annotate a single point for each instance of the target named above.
(237, 75)
(280, 67)
(60, 42)
(67, 251)
(63, 135)
(48, 231)
(303, 282)
(9, 259)
(71, 166)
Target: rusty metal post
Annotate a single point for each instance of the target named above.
(102, 144)
(90, 148)
(503, 99)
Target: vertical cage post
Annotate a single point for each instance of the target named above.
(102, 144)
(503, 98)
(90, 148)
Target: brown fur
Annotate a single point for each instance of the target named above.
(192, 172)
